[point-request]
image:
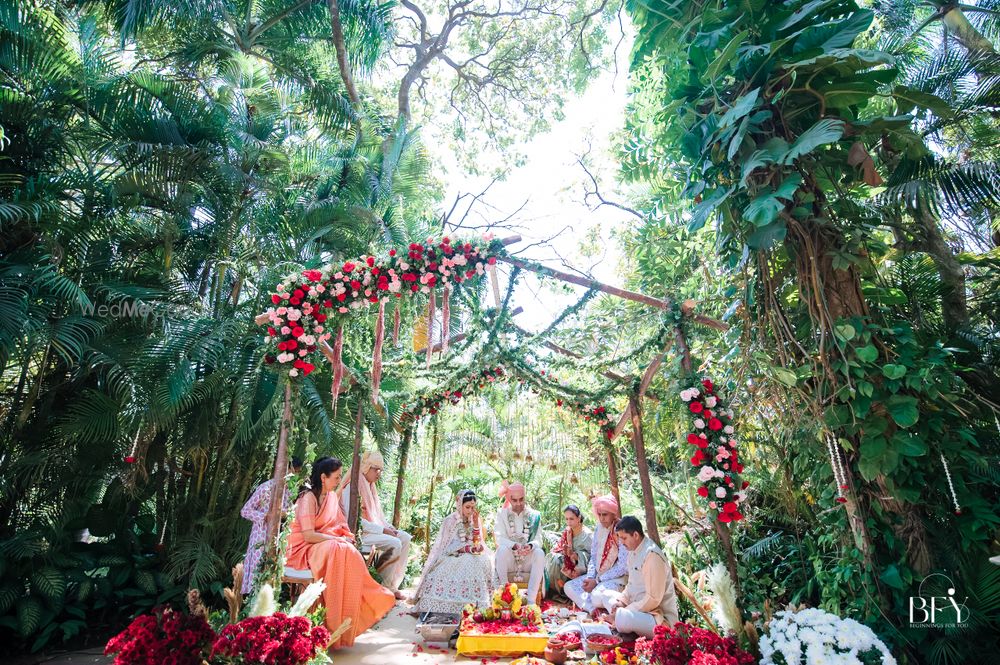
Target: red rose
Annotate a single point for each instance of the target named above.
(312, 275)
(703, 492)
(275, 298)
(409, 277)
(320, 318)
(729, 507)
(470, 273)
(739, 468)
(348, 267)
(392, 252)
(446, 240)
(298, 293)
(271, 331)
(341, 297)
(492, 260)
(841, 499)
(693, 439)
(507, 596)
(356, 285)
(298, 331)
(714, 424)
(294, 301)
(696, 407)
(432, 265)
(281, 346)
(708, 385)
(130, 460)
(746, 484)
(725, 517)
(291, 345)
(702, 442)
(370, 261)
(327, 303)
(737, 516)
(414, 288)
(299, 363)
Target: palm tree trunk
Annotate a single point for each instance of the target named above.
(966, 33)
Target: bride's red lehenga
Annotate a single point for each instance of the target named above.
(350, 592)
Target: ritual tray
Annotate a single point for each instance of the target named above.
(502, 645)
(437, 627)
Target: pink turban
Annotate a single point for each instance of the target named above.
(604, 504)
(509, 489)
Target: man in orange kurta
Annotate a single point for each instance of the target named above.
(350, 592)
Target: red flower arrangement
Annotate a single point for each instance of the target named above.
(597, 413)
(164, 636)
(275, 640)
(716, 458)
(307, 305)
(685, 644)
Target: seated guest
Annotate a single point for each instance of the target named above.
(607, 568)
(255, 510)
(321, 542)
(518, 533)
(571, 554)
(649, 598)
(375, 528)
(458, 570)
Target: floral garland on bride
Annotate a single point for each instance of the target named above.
(716, 457)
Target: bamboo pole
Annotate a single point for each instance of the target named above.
(640, 456)
(280, 471)
(352, 514)
(430, 500)
(613, 290)
(404, 451)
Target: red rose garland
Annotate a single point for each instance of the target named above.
(715, 456)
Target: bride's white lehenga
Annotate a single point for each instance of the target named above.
(454, 577)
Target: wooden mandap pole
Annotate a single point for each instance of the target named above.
(352, 514)
(280, 471)
(404, 451)
(652, 529)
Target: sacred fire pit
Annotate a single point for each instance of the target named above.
(508, 627)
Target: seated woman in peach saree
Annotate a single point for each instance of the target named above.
(322, 542)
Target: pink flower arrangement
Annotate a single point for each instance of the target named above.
(307, 306)
(276, 639)
(162, 637)
(715, 459)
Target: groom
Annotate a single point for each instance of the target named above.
(519, 540)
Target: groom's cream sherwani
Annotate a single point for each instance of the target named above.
(519, 529)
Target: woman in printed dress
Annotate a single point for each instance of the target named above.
(255, 510)
(571, 555)
(459, 569)
(322, 542)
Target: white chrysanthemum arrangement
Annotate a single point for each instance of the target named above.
(815, 637)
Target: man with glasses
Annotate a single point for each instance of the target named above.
(376, 530)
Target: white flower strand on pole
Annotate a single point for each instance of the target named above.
(839, 476)
(951, 486)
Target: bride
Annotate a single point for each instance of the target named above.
(459, 569)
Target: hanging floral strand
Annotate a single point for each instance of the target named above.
(445, 319)
(377, 351)
(951, 485)
(395, 326)
(338, 366)
(839, 477)
(431, 307)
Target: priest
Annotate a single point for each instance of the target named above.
(518, 534)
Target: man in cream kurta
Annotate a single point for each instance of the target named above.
(649, 598)
(518, 534)
(376, 531)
